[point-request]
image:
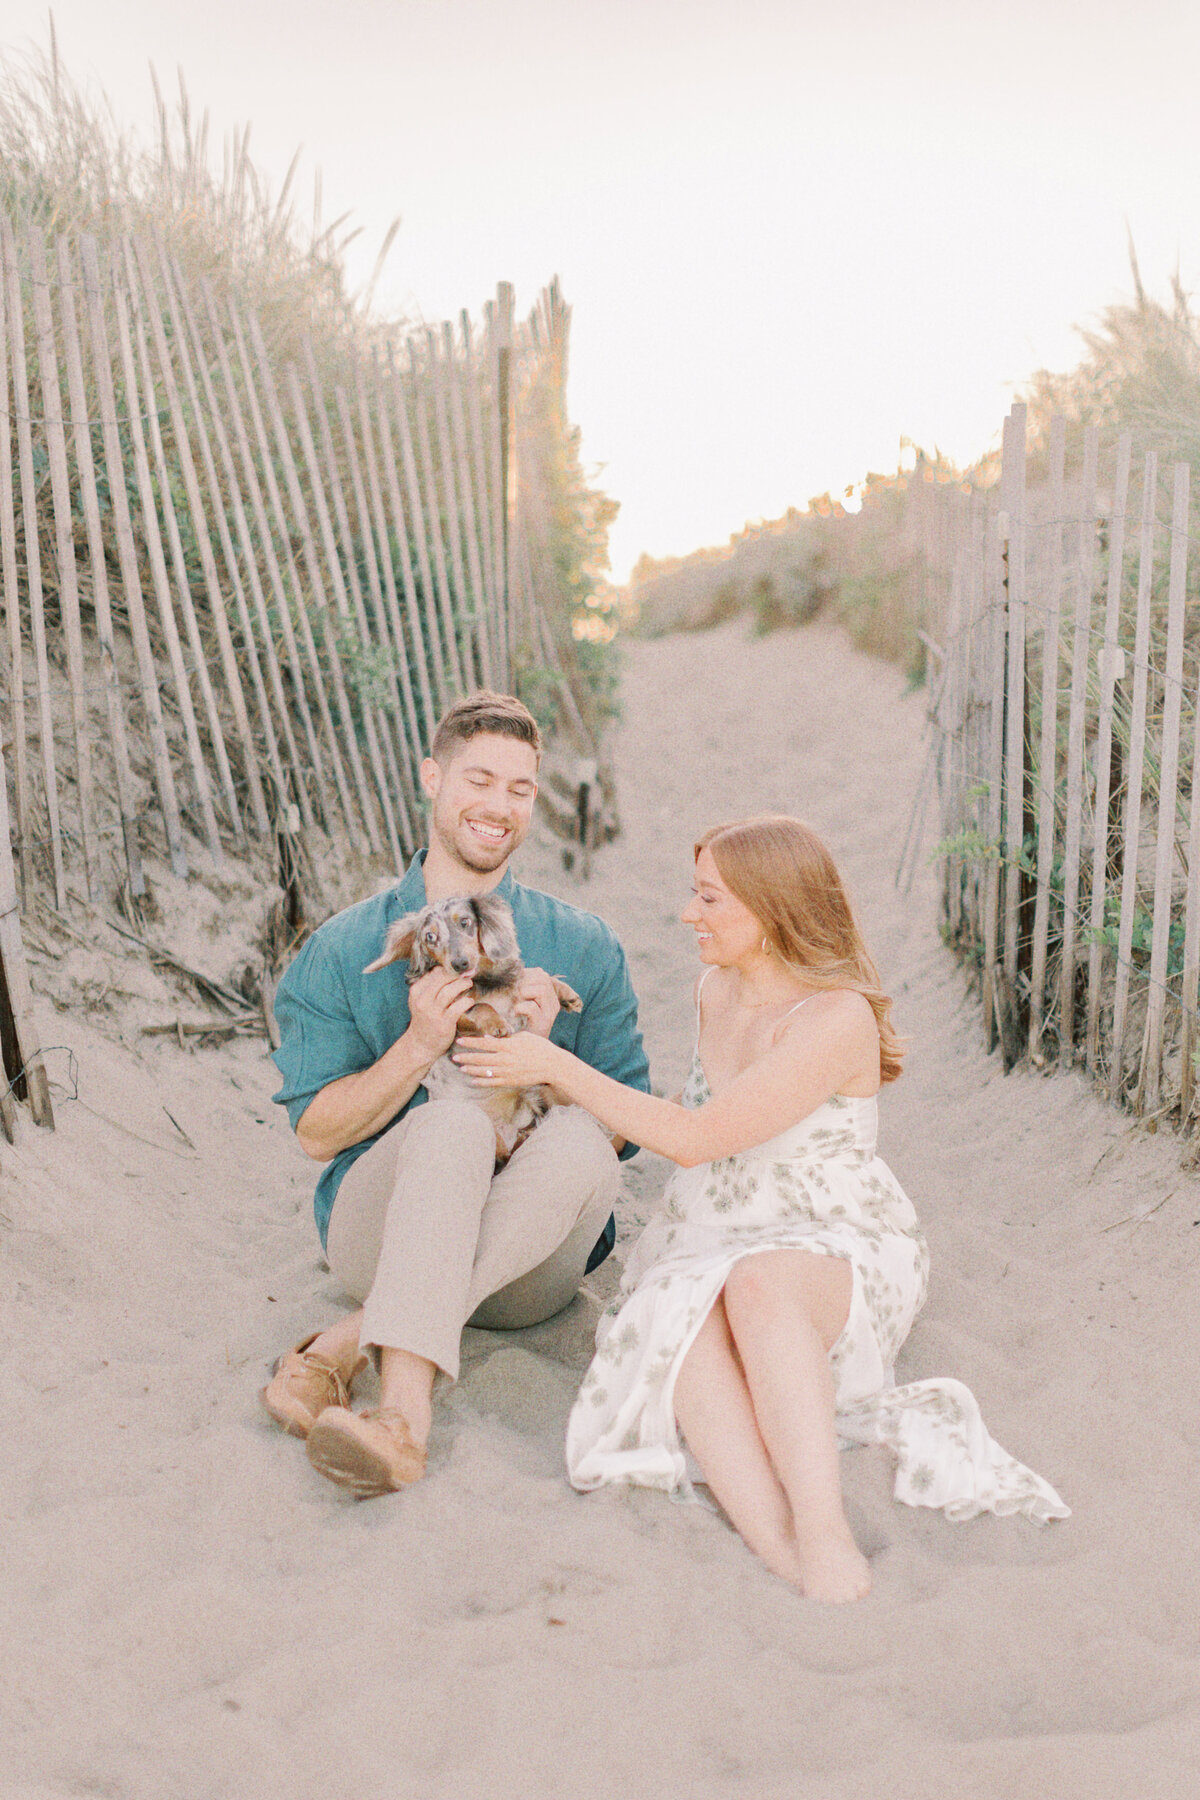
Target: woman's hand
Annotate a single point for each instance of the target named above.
(520, 1061)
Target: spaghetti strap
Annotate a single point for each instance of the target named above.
(699, 991)
(798, 1005)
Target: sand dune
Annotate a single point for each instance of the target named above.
(192, 1614)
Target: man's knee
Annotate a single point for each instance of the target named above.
(572, 1137)
(453, 1122)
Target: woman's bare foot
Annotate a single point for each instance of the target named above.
(831, 1568)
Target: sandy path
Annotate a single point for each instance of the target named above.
(191, 1614)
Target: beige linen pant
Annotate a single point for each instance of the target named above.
(427, 1238)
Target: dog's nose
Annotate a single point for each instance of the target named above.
(460, 965)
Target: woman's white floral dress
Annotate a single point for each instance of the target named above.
(818, 1186)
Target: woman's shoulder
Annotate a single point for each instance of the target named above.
(840, 1023)
(832, 1007)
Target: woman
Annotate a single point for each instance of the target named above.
(762, 1309)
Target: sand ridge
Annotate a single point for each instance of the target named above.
(191, 1612)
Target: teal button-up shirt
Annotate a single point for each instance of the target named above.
(334, 1020)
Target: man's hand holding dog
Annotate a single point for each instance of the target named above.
(537, 1002)
(436, 1002)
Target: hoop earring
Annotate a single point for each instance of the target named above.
(766, 948)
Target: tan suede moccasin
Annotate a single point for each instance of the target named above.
(303, 1385)
(368, 1453)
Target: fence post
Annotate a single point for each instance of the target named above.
(173, 279)
(86, 468)
(1190, 985)
(33, 565)
(12, 607)
(1014, 725)
(21, 1066)
(1080, 657)
(1048, 747)
(1150, 1077)
(131, 581)
(161, 581)
(997, 655)
(1109, 665)
(274, 569)
(428, 490)
(144, 308)
(64, 546)
(504, 453)
(1133, 778)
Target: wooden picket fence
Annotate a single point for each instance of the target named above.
(238, 592)
(1064, 703)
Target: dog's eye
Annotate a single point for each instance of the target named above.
(431, 935)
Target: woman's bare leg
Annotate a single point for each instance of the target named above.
(716, 1416)
(785, 1308)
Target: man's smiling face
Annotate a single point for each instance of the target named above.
(482, 800)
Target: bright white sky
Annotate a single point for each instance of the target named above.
(791, 231)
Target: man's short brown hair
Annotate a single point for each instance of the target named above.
(500, 714)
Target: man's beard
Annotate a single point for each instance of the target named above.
(475, 856)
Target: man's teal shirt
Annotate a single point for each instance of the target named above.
(334, 1020)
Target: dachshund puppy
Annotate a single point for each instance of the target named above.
(476, 937)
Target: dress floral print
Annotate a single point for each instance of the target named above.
(818, 1186)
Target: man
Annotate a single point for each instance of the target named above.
(414, 1222)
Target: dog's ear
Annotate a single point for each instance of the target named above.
(398, 944)
(497, 933)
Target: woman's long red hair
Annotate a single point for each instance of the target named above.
(780, 869)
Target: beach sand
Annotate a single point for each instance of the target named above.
(191, 1613)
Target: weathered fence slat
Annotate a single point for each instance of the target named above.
(1190, 984)
(300, 522)
(333, 649)
(1109, 654)
(266, 544)
(354, 618)
(15, 649)
(54, 428)
(400, 532)
(468, 415)
(217, 512)
(468, 516)
(433, 520)
(142, 306)
(1150, 1075)
(1133, 781)
(194, 503)
(1015, 720)
(215, 428)
(1085, 576)
(501, 321)
(85, 465)
(33, 565)
(439, 655)
(396, 719)
(375, 526)
(159, 576)
(131, 581)
(21, 1068)
(284, 529)
(469, 597)
(1048, 744)
(996, 662)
